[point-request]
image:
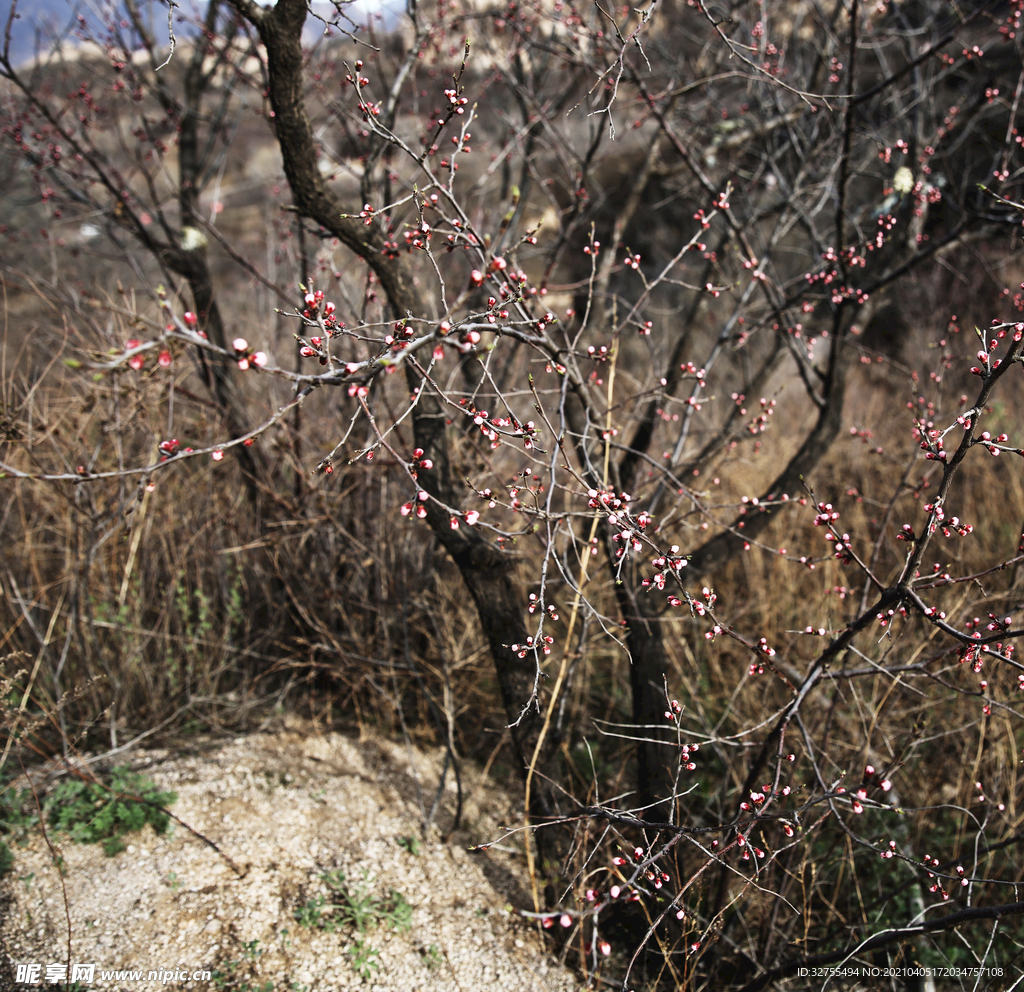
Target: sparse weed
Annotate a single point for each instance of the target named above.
(6, 859)
(355, 905)
(398, 911)
(432, 956)
(410, 843)
(237, 975)
(365, 959)
(16, 820)
(317, 915)
(362, 909)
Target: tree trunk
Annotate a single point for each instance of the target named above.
(487, 571)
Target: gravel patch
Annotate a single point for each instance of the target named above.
(286, 809)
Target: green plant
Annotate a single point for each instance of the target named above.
(6, 859)
(236, 975)
(17, 813)
(94, 813)
(432, 956)
(365, 959)
(397, 912)
(17, 816)
(311, 914)
(362, 909)
(16, 820)
(410, 844)
(356, 905)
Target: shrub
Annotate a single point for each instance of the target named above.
(97, 813)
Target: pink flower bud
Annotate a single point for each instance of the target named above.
(239, 344)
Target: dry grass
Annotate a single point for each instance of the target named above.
(186, 608)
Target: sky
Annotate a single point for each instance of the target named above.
(44, 16)
(42, 23)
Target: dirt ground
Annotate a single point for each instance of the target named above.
(284, 809)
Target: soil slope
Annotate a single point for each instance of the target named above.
(284, 809)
